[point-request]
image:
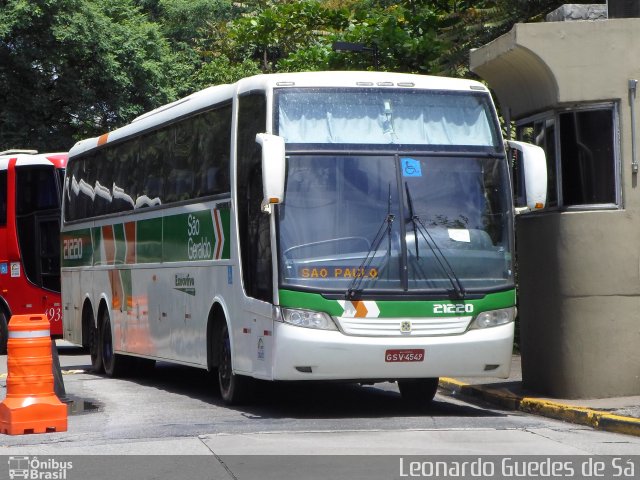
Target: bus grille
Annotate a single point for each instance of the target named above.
(403, 327)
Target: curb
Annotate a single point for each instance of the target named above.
(504, 398)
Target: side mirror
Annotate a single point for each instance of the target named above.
(529, 170)
(273, 168)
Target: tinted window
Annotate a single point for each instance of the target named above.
(586, 142)
(37, 189)
(186, 160)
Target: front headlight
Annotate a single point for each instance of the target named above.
(494, 318)
(308, 319)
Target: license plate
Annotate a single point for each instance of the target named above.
(405, 355)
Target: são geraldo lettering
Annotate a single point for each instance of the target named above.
(198, 248)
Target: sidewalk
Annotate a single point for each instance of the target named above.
(615, 414)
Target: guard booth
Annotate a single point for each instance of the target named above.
(570, 85)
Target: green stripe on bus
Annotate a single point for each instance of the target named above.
(96, 235)
(225, 217)
(149, 240)
(193, 236)
(76, 248)
(189, 237)
(398, 308)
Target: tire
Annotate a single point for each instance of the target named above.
(418, 392)
(234, 389)
(95, 348)
(114, 365)
(4, 333)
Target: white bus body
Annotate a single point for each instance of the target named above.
(386, 257)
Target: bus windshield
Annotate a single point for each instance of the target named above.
(386, 116)
(359, 219)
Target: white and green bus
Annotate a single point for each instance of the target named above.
(351, 226)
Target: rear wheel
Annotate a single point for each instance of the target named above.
(95, 348)
(114, 364)
(234, 389)
(4, 333)
(418, 392)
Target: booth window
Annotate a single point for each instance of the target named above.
(581, 145)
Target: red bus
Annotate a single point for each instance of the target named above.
(30, 194)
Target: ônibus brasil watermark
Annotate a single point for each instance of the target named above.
(34, 468)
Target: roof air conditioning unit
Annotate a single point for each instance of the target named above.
(623, 8)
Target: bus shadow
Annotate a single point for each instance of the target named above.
(308, 400)
(72, 351)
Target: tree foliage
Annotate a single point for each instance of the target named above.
(72, 68)
(76, 68)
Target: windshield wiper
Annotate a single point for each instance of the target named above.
(419, 226)
(385, 228)
(414, 219)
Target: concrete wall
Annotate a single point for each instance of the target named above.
(579, 279)
(579, 271)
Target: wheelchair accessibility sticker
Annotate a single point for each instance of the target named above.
(410, 167)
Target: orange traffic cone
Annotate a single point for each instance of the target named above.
(31, 405)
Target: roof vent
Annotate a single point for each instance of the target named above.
(623, 8)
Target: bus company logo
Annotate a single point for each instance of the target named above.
(37, 469)
(405, 326)
(184, 282)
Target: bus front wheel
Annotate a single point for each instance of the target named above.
(234, 389)
(418, 392)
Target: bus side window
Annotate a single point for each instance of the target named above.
(180, 182)
(86, 181)
(214, 137)
(126, 177)
(154, 154)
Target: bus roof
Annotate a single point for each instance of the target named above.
(221, 93)
(58, 160)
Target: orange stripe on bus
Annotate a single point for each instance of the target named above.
(130, 236)
(109, 244)
(361, 309)
(102, 139)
